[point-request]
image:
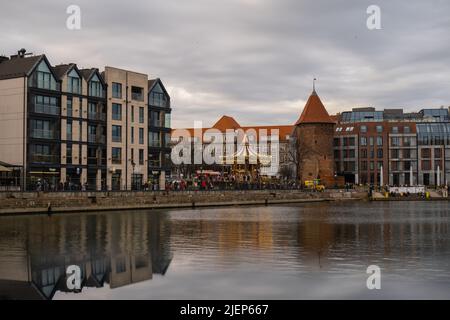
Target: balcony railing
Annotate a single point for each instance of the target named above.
(154, 163)
(137, 96)
(94, 161)
(93, 138)
(46, 108)
(97, 116)
(154, 143)
(44, 158)
(44, 134)
(156, 123)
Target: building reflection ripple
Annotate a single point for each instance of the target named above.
(115, 249)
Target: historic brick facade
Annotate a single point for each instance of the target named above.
(314, 133)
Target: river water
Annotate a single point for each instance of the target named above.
(310, 251)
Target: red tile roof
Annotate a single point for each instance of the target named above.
(314, 111)
(226, 122)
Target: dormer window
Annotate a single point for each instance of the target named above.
(73, 82)
(43, 77)
(95, 87)
(157, 97)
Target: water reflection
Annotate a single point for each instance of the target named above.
(113, 249)
(289, 252)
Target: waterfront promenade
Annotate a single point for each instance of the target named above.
(59, 202)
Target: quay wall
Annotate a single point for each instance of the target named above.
(26, 202)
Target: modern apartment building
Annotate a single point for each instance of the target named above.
(393, 147)
(159, 123)
(71, 128)
(128, 119)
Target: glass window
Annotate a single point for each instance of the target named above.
(69, 131)
(379, 141)
(154, 119)
(364, 141)
(132, 134)
(137, 93)
(167, 123)
(153, 139)
(380, 153)
(73, 82)
(141, 156)
(95, 87)
(157, 97)
(116, 111)
(406, 129)
(132, 113)
(167, 139)
(363, 129)
(363, 153)
(69, 107)
(141, 135)
(141, 115)
(116, 133)
(394, 129)
(69, 154)
(44, 77)
(379, 129)
(395, 141)
(116, 155)
(394, 153)
(351, 141)
(116, 90)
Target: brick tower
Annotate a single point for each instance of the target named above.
(314, 132)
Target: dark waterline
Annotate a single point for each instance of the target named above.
(314, 251)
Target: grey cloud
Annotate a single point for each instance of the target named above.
(255, 58)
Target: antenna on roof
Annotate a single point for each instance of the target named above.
(314, 85)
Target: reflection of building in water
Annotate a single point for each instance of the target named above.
(117, 249)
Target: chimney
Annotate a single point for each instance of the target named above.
(21, 53)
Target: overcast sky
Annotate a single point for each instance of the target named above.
(251, 59)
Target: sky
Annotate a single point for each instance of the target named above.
(251, 59)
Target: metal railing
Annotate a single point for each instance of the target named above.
(93, 138)
(97, 116)
(137, 96)
(44, 158)
(44, 134)
(46, 109)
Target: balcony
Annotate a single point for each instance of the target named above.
(154, 143)
(44, 158)
(154, 163)
(93, 138)
(94, 161)
(97, 116)
(46, 109)
(137, 96)
(44, 134)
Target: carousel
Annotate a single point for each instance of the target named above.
(246, 163)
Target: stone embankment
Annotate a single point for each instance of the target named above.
(41, 202)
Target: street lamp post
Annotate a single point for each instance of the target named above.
(133, 178)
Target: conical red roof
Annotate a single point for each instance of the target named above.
(314, 111)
